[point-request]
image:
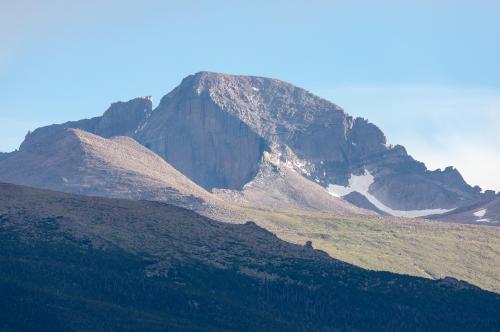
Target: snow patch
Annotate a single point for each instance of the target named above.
(302, 166)
(480, 213)
(362, 183)
(255, 89)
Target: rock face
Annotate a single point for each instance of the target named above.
(197, 136)
(217, 128)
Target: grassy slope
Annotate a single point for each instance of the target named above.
(74, 263)
(429, 249)
(421, 248)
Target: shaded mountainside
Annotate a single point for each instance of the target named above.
(72, 160)
(159, 267)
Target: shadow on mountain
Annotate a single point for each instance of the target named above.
(71, 262)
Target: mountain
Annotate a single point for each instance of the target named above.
(83, 161)
(278, 198)
(73, 262)
(73, 160)
(215, 128)
(224, 131)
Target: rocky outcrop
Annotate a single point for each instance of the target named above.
(120, 119)
(124, 118)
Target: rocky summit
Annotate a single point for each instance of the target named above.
(224, 131)
(215, 129)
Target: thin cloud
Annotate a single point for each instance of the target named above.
(478, 162)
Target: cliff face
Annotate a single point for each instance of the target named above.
(196, 136)
(215, 128)
(124, 118)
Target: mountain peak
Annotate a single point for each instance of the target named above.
(215, 81)
(217, 128)
(227, 122)
(144, 102)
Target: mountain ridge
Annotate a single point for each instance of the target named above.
(76, 161)
(216, 128)
(73, 160)
(192, 271)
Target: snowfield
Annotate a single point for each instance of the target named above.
(362, 183)
(480, 213)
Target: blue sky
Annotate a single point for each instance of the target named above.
(427, 73)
